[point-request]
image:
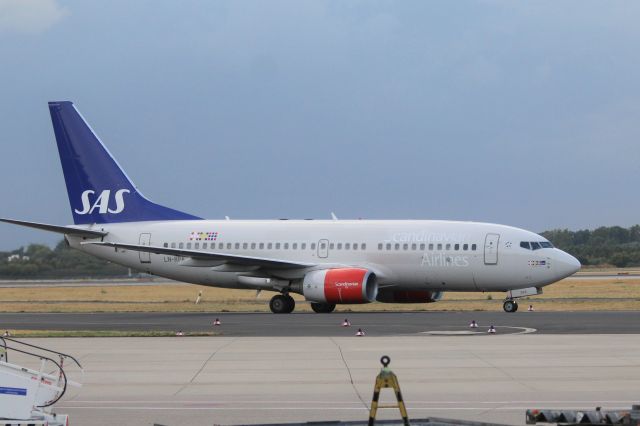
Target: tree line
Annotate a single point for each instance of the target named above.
(38, 261)
(607, 245)
(604, 246)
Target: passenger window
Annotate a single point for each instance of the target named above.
(323, 246)
(465, 247)
(237, 246)
(303, 246)
(213, 245)
(189, 245)
(405, 246)
(339, 246)
(331, 246)
(525, 245)
(197, 245)
(173, 245)
(397, 246)
(181, 245)
(379, 246)
(166, 245)
(535, 245)
(277, 246)
(422, 246)
(204, 245)
(253, 246)
(313, 246)
(286, 246)
(355, 246)
(269, 246)
(388, 246)
(456, 247)
(473, 247)
(430, 246)
(414, 246)
(363, 246)
(245, 246)
(439, 246)
(347, 246)
(294, 246)
(261, 246)
(448, 246)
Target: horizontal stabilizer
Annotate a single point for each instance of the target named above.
(56, 228)
(203, 255)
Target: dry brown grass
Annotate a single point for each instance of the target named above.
(601, 294)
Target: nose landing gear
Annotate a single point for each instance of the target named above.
(282, 304)
(510, 305)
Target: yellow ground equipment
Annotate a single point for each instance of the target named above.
(387, 379)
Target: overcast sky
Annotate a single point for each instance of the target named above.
(522, 113)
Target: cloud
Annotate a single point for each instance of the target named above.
(29, 16)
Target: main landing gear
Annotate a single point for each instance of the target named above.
(282, 304)
(510, 305)
(323, 308)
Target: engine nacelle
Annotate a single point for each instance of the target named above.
(340, 286)
(387, 295)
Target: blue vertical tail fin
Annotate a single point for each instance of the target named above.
(99, 190)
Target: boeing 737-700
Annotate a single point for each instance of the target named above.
(329, 262)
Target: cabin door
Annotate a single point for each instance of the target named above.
(491, 249)
(145, 240)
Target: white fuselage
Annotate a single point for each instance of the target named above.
(405, 255)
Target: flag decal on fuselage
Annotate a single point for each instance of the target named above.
(203, 236)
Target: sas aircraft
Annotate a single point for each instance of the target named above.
(329, 262)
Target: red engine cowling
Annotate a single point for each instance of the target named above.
(386, 295)
(340, 285)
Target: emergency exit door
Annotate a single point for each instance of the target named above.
(491, 249)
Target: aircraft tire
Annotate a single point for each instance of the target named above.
(291, 303)
(323, 308)
(510, 306)
(280, 305)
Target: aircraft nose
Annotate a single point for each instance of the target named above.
(566, 265)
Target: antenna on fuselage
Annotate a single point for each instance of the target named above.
(333, 216)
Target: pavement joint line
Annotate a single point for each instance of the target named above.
(502, 370)
(344, 361)
(204, 365)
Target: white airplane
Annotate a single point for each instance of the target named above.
(329, 262)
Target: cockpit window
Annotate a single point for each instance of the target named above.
(535, 245)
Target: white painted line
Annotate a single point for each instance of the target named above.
(361, 408)
(537, 402)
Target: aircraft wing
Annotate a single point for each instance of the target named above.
(204, 255)
(56, 228)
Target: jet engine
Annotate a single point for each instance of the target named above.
(340, 285)
(387, 295)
